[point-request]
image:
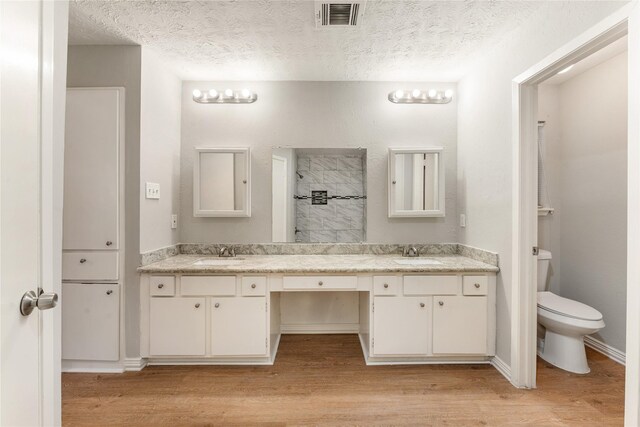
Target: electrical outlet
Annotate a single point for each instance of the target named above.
(463, 220)
(174, 221)
(152, 190)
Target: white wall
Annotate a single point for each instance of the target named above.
(484, 136)
(318, 115)
(120, 66)
(160, 105)
(588, 173)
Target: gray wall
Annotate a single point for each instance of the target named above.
(588, 174)
(120, 66)
(160, 118)
(485, 139)
(317, 115)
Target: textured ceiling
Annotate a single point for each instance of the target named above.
(277, 40)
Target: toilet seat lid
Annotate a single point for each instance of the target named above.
(567, 307)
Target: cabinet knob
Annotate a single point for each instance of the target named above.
(253, 286)
(83, 260)
(197, 305)
(386, 285)
(109, 292)
(440, 303)
(217, 305)
(421, 304)
(109, 243)
(320, 283)
(244, 181)
(393, 182)
(161, 285)
(477, 285)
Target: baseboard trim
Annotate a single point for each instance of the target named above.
(92, 366)
(501, 367)
(134, 364)
(321, 328)
(611, 352)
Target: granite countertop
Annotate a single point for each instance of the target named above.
(316, 264)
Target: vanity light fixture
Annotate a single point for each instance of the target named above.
(228, 96)
(418, 96)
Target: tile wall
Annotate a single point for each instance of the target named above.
(340, 220)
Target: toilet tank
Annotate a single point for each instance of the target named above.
(544, 259)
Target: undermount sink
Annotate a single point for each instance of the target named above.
(417, 261)
(217, 261)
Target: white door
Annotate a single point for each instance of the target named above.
(33, 40)
(91, 321)
(177, 326)
(459, 325)
(279, 207)
(400, 326)
(239, 326)
(92, 139)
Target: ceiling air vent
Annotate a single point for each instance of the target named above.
(339, 15)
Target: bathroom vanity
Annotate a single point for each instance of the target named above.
(212, 310)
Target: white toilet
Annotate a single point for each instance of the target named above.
(566, 322)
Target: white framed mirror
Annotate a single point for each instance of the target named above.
(416, 182)
(222, 182)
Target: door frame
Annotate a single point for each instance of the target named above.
(524, 134)
(54, 37)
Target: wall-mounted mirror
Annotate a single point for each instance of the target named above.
(416, 182)
(319, 195)
(222, 182)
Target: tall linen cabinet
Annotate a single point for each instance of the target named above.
(93, 240)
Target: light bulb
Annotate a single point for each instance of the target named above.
(213, 93)
(197, 93)
(228, 93)
(448, 93)
(432, 93)
(246, 93)
(416, 93)
(399, 94)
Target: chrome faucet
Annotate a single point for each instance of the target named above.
(410, 251)
(226, 252)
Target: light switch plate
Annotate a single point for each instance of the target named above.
(152, 190)
(174, 221)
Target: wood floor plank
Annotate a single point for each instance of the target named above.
(322, 379)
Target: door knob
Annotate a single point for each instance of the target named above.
(31, 300)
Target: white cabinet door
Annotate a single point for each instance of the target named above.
(177, 326)
(400, 326)
(92, 137)
(90, 321)
(459, 325)
(239, 326)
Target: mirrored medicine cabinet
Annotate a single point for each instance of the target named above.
(222, 182)
(416, 182)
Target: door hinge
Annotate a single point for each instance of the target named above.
(535, 250)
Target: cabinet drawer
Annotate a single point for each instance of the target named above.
(90, 265)
(385, 285)
(219, 286)
(162, 286)
(254, 286)
(320, 282)
(431, 285)
(475, 285)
